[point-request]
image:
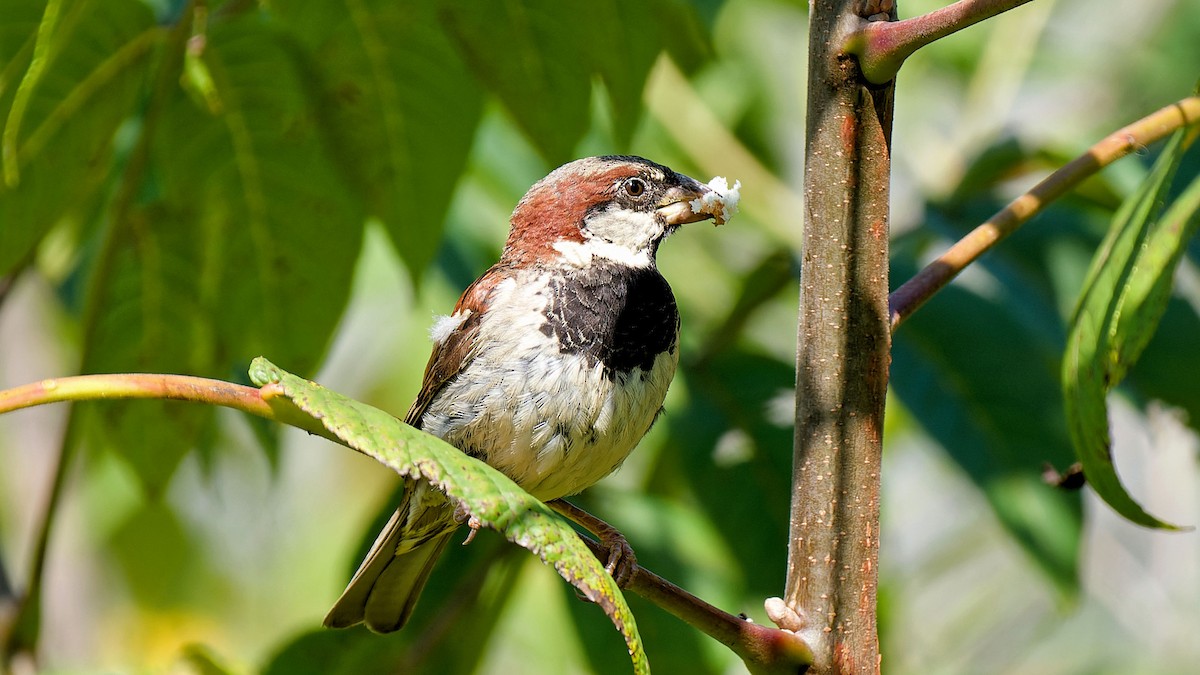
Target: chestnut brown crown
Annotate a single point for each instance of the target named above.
(573, 201)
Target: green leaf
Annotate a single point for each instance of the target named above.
(1123, 298)
(482, 491)
(532, 56)
(398, 105)
(245, 243)
(273, 232)
(158, 556)
(624, 44)
(980, 378)
(540, 59)
(204, 661)
(334, 652)
(1167, 369)
(59, 113)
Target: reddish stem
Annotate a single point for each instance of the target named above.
(882, 46)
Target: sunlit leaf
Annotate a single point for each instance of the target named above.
(1123, 299)
(681, 544)
(483, 492)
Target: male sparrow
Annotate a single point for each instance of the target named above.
(553, 365)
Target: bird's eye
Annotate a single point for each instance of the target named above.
(635, 187)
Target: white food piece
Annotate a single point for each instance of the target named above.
(721, 203)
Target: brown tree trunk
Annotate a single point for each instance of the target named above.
(842, 354)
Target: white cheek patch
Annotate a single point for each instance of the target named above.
(443, 326)
(581, 254)
(634, 230)
(623, 236)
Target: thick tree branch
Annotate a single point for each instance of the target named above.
(882, 46)
(907, 298)
(842, 352)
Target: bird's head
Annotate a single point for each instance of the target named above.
(614, 207)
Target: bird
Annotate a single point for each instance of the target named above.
(553, 365)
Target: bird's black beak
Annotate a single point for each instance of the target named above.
(676, 205)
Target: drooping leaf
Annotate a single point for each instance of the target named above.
(681, 544)
(540, 59)
(58, 119)
(398, 105)
(532, 57)
(626, 40)
(483, 492)
(1123, 298)
(980, 379)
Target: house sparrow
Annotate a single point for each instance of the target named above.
(553, 365)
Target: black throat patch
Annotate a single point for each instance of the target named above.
(620, 316)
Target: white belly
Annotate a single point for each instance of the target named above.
(552, 422)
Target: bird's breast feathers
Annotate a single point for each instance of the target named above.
(566, 373)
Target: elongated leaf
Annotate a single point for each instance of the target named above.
(399, 106)
(540, 59)
(483, 492)
(625, 41)
(531, 55)
(1122, 301)
(57, 119)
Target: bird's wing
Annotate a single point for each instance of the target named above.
(452, 354)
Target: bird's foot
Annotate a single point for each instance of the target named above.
(619, 559)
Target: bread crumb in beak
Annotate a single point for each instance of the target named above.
(721, 202)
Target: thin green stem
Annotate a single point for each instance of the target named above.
(936, 275)
(882, 46)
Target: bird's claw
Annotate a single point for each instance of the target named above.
(621, 559)
(475, 524)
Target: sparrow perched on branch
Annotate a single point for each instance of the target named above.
(552, 366)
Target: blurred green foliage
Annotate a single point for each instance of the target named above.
(190, 185)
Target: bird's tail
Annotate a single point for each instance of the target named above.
(389, 581)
